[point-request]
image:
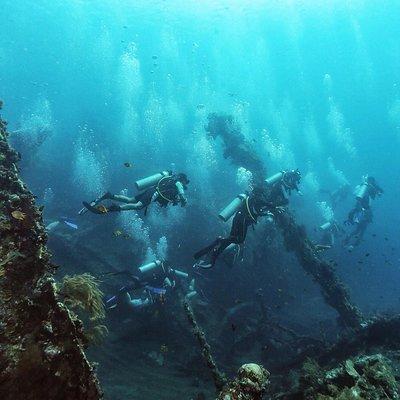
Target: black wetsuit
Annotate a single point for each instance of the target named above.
(365, 217)
(243, 219)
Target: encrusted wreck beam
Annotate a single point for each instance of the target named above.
(41, 343)
(237, 147)
(218, 377)
(333, 290)
(241, 153)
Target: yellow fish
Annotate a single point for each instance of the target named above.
(128, 165)
(18, 215)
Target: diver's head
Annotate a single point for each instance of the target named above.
(291, 179)
(371, 180)
(377, 190)
(182, 178)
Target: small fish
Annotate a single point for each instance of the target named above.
(102, 209)
(117, 233)
(164, 348)
(126, 236)
(128, 165)
(19, 215)
(154, 57)
(238, 301)
(233, 327)
(200, 106)
(366, 254)
(374, 234)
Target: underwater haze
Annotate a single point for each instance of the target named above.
(101, 93)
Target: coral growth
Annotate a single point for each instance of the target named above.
(251, 384)
(81, 293)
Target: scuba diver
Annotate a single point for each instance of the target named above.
(361, 215)
(330, 230)
(247, 208)
(164, 188)
(152, 284)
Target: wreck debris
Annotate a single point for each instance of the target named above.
(364, 377)
(251, 384)
(41, 346)
(241, 153)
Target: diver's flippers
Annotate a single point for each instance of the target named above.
(93, 203)
(322, 247)
(94, 209)
(206, 250)
(203, 264)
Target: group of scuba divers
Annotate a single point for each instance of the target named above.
(153, 282)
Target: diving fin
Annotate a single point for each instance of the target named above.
(206, 250)
(203, 264)
(93, 203)
(93, 208)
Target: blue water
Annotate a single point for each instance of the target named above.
(314, 85)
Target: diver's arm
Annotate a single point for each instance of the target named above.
(181, 193)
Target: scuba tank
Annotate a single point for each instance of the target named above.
(151, 266)
(362, 191)
(158, 265)
(275, 178)
(181, 274)
(191, 294)
(325, 226)
(232, 207)
(145, 183)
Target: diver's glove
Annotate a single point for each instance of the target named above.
(279, 210)
(114, 207)
(349, 222)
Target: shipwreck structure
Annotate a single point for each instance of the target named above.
(42, 342)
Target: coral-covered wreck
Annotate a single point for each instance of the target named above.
(41, 343)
